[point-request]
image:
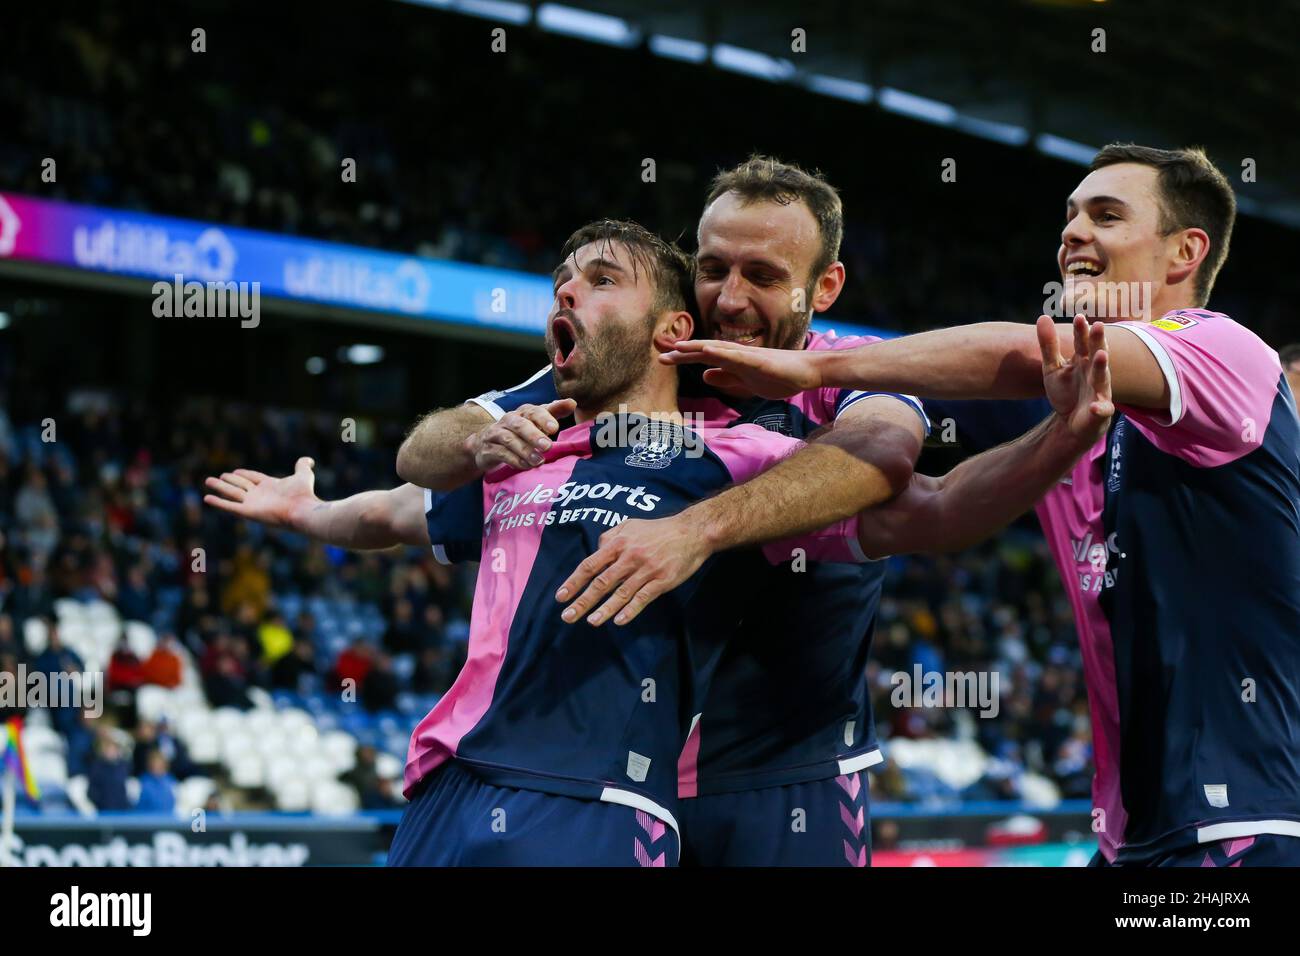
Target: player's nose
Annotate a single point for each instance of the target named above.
(1077, 232)
(733, 297)
(566, 296)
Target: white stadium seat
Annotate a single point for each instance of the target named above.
(388, 766)
(294, 796)
(192, 794)
(35, 635)
(78, 790)
(247, 772)
(140, 638)
(49, 768)
(227, 720)
(204, 746)
(340, 749)
(39, 739)
(153, 702)
(330, 798)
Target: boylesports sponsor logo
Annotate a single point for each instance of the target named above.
(569, 493)
(1095, 570)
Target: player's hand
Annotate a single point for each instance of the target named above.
(258, 497)
(771, 373)
(637, 562)
(1079, 389)
(520, 438)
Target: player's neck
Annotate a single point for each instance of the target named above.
(654, 396)
(1164, 304)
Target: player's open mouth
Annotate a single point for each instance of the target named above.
(566, 341)
(1083, 267)
(740, 334)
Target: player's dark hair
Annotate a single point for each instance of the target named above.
(1288, 354)
(1193, 194)
(671, 270)
(764, 179)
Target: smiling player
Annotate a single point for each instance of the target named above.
(1178, 536)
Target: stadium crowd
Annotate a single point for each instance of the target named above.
(111, 510)
(139, 140)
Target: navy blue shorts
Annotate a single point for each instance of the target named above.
(820, 823)
(458, 819)
(1266, 849)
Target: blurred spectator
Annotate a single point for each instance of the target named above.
(163, 666)
(248, 583)
(379, 689)
(157, 786)
(430, 674)
(289, 671)
(352, 667)
(224, 680)
(125, 671)
(158, 736)
(403, 634)
(135, 599)
(107, 774)
(274, 639)
(56, 659)
(10, 643)
(32, 596)
(375, 792)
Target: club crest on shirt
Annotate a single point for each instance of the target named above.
(658, 443)
(1175, 323)
(775, 422)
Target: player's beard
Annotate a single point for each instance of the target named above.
(787, 333)
(791, 333)
(613, 360)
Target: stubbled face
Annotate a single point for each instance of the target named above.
(1112, 237)
(751, 261)
(600, 331)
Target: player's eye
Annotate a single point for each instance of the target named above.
(604, 278)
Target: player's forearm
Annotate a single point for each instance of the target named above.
(986, 360)
(434, 453)
(368, 521)
(817, 486)
(976, 499)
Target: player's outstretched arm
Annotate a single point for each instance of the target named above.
(985, 493)
(999, 360)
(451, 447)
(864, 459)
(367, 521)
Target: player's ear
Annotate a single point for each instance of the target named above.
(1188, 249)
(672, 328)
(827, 288)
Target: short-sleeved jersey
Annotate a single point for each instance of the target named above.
(541, 704)
(1178, 539)
(787, 700)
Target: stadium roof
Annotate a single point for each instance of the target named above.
(1024, 72)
